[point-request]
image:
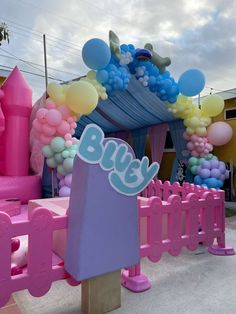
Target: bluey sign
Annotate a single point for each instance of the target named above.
(127, 175)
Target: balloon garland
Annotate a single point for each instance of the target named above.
(111, 68)
(200, 133)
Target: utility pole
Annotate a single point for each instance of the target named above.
(45, 60)
(46, 83)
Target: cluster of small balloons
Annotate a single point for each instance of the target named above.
(160, 83)
(114, 77)
(211, 173)
(198, 146)
(60, 154)
(64, 184)
(53, 121)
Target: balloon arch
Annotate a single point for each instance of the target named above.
(111, 69)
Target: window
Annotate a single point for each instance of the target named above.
(230, 114)
(169, 146)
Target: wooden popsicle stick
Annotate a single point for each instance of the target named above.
(101, 294)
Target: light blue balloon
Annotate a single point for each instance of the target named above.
(57, 144)
(96, 54)
(191, 82)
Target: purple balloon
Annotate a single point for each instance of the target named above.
(68, 180)
(64, 191)
(222, 168)
(215, 173)
(206, 164)
(214, 164)
(222, 177)
(205, 173)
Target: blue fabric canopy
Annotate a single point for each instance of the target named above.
(132, 109)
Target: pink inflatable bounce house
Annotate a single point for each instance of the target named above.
(16, 183)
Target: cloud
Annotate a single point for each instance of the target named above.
(195, 34)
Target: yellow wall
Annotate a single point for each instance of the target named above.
(228, 151)
(2, 79)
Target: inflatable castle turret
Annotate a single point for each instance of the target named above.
(16, 106)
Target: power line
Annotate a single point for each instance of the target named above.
(40, 33)
(219, 90)
(51, 45)
(32, 73)
(40, 36)
(22, 60)
(57, 15)
(53, 69)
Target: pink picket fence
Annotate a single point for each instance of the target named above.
(40, 271)
(176, 217)
(172, 215)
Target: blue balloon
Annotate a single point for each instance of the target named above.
(96, 54)
(212, 183)
(191, 82)
(198, 180)
(102, 76)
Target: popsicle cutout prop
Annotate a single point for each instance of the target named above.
(103, 212)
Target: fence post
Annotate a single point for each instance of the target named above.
(5, 258)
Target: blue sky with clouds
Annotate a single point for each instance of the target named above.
(194, 34)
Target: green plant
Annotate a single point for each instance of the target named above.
(4, 33)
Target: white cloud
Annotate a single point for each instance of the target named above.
(198, 34)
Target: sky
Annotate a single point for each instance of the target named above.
(193, 33)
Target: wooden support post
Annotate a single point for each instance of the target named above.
(101, 294)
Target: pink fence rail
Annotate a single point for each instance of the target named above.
(40, 272)
(173, 215)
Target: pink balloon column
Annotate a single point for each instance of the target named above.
(54, 127)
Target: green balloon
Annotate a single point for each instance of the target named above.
(57, 144)
(72, 153)
(47, 151)
(59, 158)
(201, 160)
(68, 165)
(193, 161)
(65, 153)
(193, 169)
(61, 170)
(51, 162)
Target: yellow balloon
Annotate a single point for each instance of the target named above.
(212, 106)
(55, 92)
(82, 97)
(201, 131)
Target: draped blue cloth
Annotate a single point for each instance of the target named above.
(139, 142)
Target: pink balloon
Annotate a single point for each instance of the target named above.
(44, 139)
(49, 104)
(48, 130)
(41, 113)
(63, 128)
(219, 133)
(53, 117)
(186, 136)
(37, 125)
(194, 153)
(190, 146)
(194, 138)
(65, 111)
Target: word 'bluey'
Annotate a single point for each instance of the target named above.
(127, 175)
